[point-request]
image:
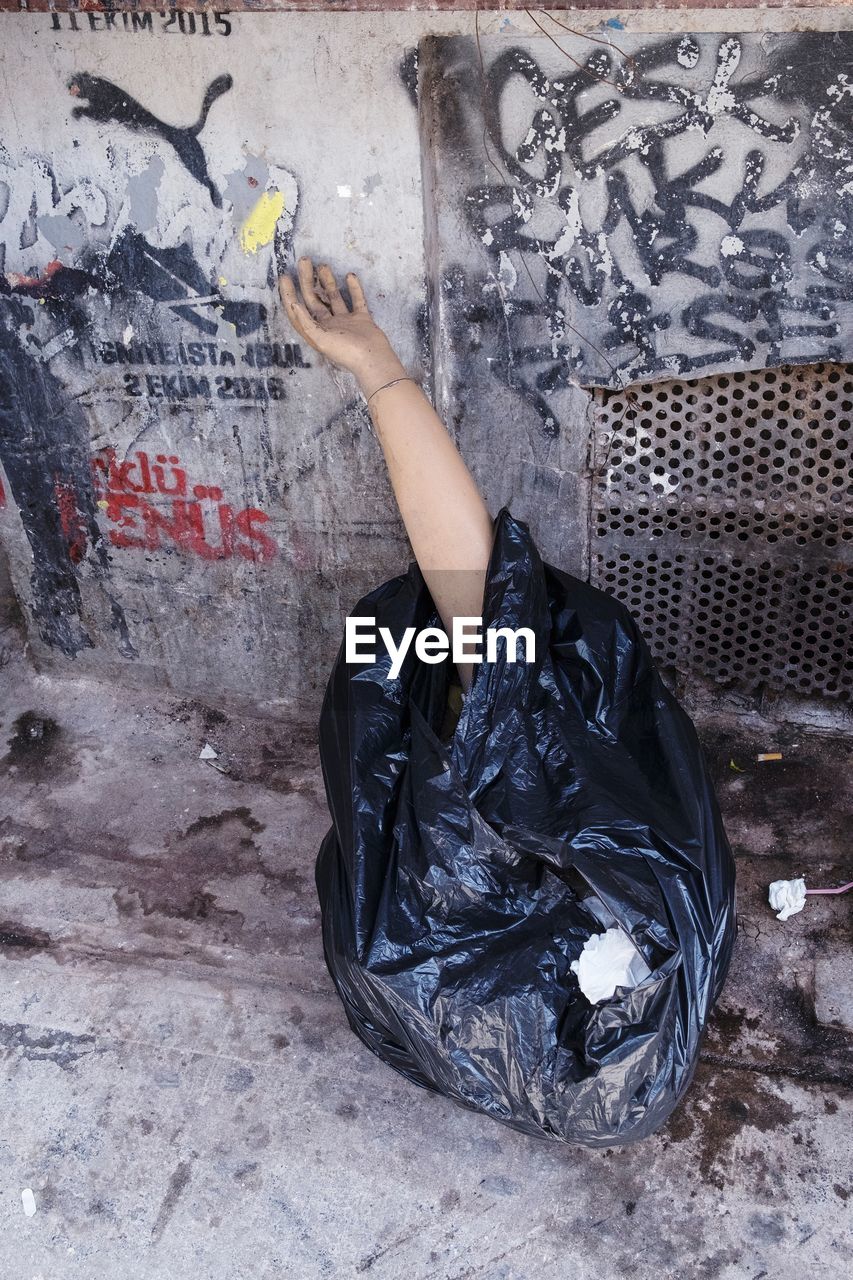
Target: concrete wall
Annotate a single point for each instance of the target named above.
(191, 498)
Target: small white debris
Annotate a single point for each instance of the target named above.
(127, 335)
(731, 246)
(787, 897)
(345, 192)
(609, 960)
(28, 1200)
(208, 752)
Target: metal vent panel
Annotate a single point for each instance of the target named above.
(722, 516)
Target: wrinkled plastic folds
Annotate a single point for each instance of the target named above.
(452, 880)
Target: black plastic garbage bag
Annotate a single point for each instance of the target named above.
(453, 880)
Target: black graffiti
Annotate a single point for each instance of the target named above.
(108, 103)
(750, 292)
(169, 275)
(407, 70)
(180, 386)
(185, 23)
(44, 448)
(174, 276)
(562, 126)
(44, 436)
(257, 355)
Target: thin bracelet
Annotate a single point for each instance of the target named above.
(404, 378)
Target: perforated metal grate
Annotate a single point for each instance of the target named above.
(722, 516)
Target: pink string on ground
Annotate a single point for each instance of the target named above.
(843, 889)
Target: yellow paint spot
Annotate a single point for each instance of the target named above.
(259, 227)
(222, 280)
(103, 504)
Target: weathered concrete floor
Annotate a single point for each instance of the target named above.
(182, 1093)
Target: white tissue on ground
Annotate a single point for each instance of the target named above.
(787, 897)
(608, 960)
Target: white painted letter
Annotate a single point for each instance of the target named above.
(460, 653)
(397, 655)
(352, 626)
(432, 645)
(512, 638)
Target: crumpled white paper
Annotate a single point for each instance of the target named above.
(609, 960)
(787, 897)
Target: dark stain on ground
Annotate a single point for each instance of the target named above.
(211, 821)
(727, 1025)
(248, 751)
(157, 890)
(189, 708)
(214, 846)
(407, 69)
(19, 939)
(805, 798)
(177, 1183)
(272, 767)
(195, 905)
(60, 1047)
(805, 1048)
(32, 742)
(39, 751)
(55, 846)
(733, 1101)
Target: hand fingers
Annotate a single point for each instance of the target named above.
(356, 292)
(315, 304)
(297, 314)
(333, 293)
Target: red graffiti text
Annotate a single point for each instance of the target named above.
(150, 503)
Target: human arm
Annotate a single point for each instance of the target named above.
(446, 519)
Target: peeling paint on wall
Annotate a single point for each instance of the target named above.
(174, 462)
(675, 205)
(624, 220)
(115, 306)
(260, 227)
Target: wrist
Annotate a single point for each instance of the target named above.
(377, 369)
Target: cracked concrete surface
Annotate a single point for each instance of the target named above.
(182, 1094)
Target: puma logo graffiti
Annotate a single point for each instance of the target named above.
(107, 102)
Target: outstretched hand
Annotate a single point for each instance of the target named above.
(348, 337)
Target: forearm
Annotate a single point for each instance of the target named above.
(446, 519)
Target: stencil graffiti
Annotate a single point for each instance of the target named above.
(133, 268)
(682, 205)
(108, 103)
(195, 519)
